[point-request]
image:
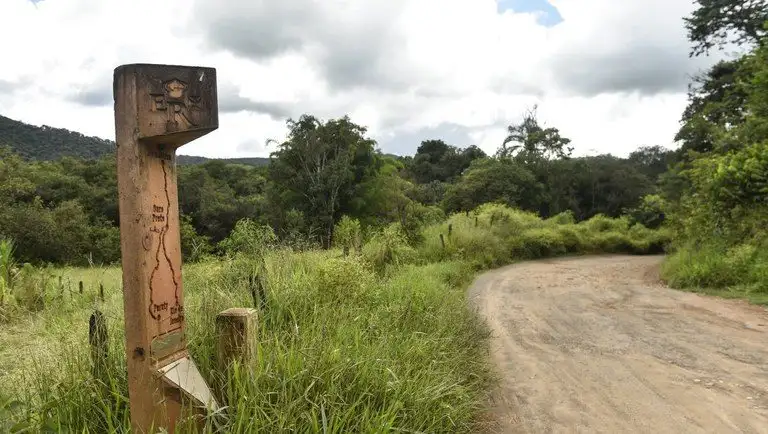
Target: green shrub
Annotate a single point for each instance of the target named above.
(342, 279)
(573, 240)
(602, 223)
(249, 238)
(7, 269)
(540, 243)
(347, 234)
(649, 213)
(563, 218)
(389, 247)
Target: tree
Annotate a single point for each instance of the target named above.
(601, 184)
(715, 23)
(437, 161)
(316, 168)
(493, 180)
(716, 102)
(652, 160)
(532, 142)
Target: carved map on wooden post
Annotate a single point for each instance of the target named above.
(158, 108)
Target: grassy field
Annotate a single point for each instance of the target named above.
(381, 341)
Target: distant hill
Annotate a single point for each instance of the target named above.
(185, 160)
(48, 143)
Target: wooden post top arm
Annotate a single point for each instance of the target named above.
(174, 104)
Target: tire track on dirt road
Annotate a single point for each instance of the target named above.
(597, 344)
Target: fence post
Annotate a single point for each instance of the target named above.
(442, 241)
(236, 330)
(98, 339)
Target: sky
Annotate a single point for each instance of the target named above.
(610, 75)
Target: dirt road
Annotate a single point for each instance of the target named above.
(598, 345)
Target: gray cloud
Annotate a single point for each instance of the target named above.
(646, 69)
(95, 96)
(251, 146)
(231, 102)
(351, 48)
(7, 87)
(235, 103)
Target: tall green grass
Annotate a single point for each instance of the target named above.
(377, 341)
(340, 350)
(733, 270)
(495, 235)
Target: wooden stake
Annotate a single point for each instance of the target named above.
(97, 337)
(237, 331)
(442, 240)
(158, 108)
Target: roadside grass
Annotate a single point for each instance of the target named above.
(381, 341)
(717, 268)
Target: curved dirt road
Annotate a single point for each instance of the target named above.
(597, 344)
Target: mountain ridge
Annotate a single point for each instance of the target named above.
(49, 143)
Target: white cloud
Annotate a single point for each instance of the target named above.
(611, 76)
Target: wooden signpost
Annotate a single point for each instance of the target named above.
(158, 108)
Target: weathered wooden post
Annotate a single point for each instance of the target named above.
(237, 329)
(98, 339)
(442, 241)
(158, 108)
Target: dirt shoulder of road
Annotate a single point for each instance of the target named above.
(599, 344)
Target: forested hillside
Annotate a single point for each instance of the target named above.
(48, 143)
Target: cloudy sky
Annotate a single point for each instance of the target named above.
(611, 75)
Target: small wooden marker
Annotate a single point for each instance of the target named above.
(158, 108)
(98, 339)
(237, 329)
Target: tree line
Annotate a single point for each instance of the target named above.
(65, 210)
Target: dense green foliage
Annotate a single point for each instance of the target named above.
(716, 199)
(715, 23)
(377, 340)
(48, 143)
(64, 211)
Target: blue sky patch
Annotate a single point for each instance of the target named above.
(550, 15)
